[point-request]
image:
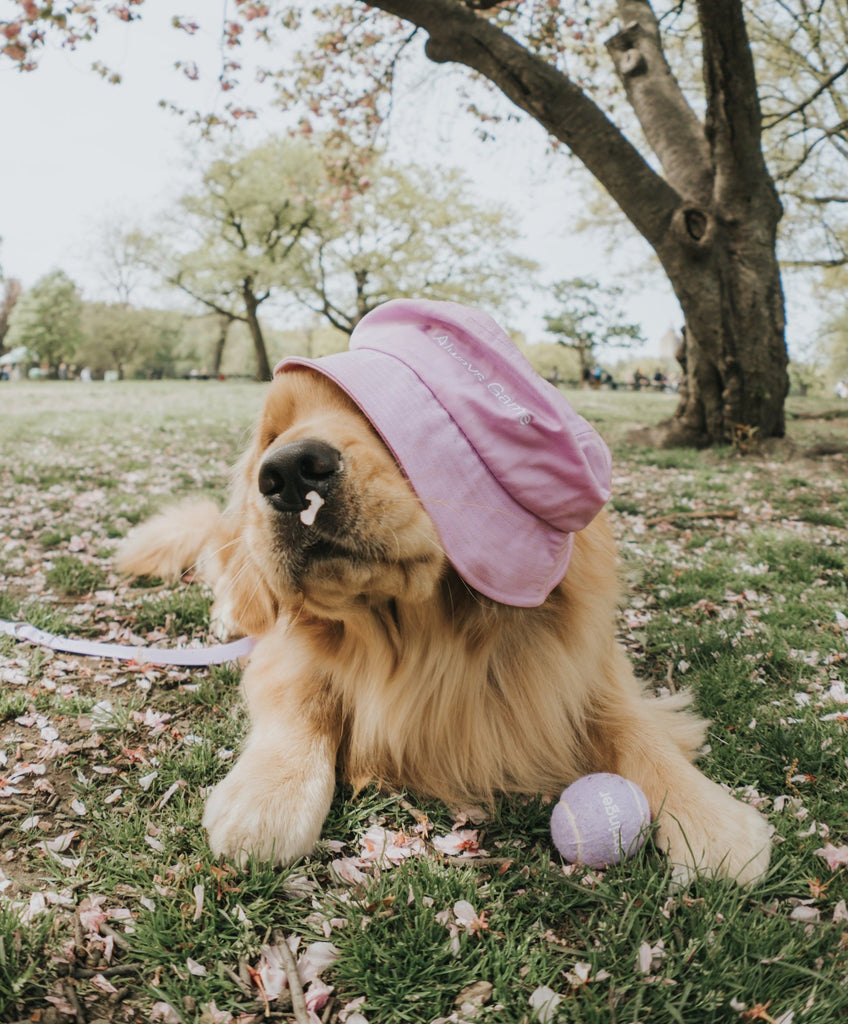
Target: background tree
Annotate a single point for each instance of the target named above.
(11, 293)
(118, 258)
(47, 319)
(836, 344)
(223, 322)
(119, 337)
(589, 317)
(231, 244)
(411, 231)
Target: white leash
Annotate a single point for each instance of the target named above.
(186, 656)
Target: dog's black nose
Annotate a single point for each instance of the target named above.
(289, 473)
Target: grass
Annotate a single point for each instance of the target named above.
(736, 570)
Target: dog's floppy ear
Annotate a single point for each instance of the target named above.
(244, 603)
(196, 537)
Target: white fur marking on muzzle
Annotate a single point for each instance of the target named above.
(307, 515)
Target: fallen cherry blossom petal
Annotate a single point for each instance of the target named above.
(103, 984)
(544, 1001)
(467, 918)
(346, 869)
(199, 894)
(317, 995)
(836, 856)
(460, 843)
(803, 913)
(388, 848)
(164, 1013)
(349, 1013)
(317, 957)
(272, 973)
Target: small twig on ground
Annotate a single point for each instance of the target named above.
(419, 816)
(79, 938)
(290, 966)
(70, 992)
(13, 807)
(236, 980)
(119, 995)
(669, 517)
(71, 970)
(244, 974)
(120, 941)
(478, 862)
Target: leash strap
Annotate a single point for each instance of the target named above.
(185, 656)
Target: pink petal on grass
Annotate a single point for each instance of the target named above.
(386, 847)
(544, 1001)
(468, 918)
(808, 914)
(271, 972)
(346, 869)
(459, 843)
(317, 995)
(164, 1013)
(317, 957)
(836, 856)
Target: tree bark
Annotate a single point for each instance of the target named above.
(711, 216)
(224, 323)
(251, 305)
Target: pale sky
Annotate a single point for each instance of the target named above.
(77, 153)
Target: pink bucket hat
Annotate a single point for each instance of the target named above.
(506, 469)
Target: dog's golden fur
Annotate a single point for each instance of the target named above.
(376, 660)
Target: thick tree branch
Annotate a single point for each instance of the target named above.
(733, 120)
(673, 131)
(836, 261)
(457, 34)
(177, 282)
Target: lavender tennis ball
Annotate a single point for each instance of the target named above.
(600, 819)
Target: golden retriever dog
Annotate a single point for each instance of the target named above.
(376, 657)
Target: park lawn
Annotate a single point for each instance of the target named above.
(112, 908)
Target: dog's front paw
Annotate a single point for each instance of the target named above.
(715, 835)
(251, 815)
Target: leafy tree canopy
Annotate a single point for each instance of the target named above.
(297, 220)
(589, 317)
(409, 231)
(48, 319)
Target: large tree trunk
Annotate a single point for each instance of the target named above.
(719, 253)
(733, 355)
(711, 216)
